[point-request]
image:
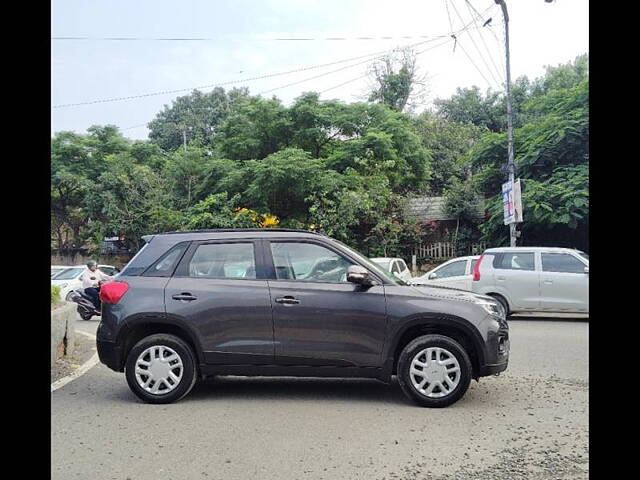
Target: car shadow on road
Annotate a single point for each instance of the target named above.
(291, 388)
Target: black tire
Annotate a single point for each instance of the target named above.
(412, 349)
(189, 374)
(503, 302)
(86, 316)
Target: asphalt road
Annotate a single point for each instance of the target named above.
(531, 422)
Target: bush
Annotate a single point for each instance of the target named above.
(55, 294)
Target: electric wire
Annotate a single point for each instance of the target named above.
(232, 82)
(496, 82)
(489, 54)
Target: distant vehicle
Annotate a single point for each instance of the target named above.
(534, 279)
(69, 279)
(455, 273)
(55, 269)
(395, 266)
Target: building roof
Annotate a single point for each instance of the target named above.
(424, 209)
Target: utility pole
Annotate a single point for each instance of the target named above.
(511, 169)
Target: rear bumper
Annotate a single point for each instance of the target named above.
(110, 354)
(492, 369)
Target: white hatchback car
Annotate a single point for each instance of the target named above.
(69, 279)
(534, 279)
(454, 273)
(395, 266)
(55, 269)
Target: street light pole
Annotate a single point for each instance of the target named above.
(510, 165)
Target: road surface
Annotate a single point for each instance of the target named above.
(529, 422)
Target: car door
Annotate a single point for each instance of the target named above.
(220, 290)
(516, 274)
(319, 318)
(451, 274)
(564, 284)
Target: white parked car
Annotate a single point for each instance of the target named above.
(55, 269)
(395, 266)
(69, 278)
(454, 273)
(534, 279)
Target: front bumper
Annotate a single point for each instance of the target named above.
(110, 354)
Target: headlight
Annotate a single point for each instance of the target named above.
(63, 285)
(492, 308)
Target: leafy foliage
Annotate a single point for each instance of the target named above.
(342, 169)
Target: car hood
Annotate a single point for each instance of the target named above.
(444, 292)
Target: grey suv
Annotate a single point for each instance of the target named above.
(289, 303)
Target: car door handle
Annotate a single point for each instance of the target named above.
(500, 277)
(548, 282)
(185, 296)
(288, 300)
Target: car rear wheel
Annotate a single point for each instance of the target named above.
(434, 371)
(161, 368)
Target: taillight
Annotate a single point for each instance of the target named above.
(112, 292)
(476, 269)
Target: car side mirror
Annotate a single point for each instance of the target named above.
(359, 275)
(433, 276)
(586, 269)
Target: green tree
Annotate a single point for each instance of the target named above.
(259, 128)
(197, 115)
(396, 80)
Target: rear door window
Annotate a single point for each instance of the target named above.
(514, 261)
(223, 260)
(454, 269)
(562, 263)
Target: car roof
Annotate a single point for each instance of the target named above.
(530, 249)
(224, 233)
(84, 265)
(384, 259)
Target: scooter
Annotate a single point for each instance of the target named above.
(86, 308)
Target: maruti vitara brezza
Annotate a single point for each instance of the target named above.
(278, 302)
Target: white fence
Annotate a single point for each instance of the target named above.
(444, 250)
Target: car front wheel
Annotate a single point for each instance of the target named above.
(161, 368)
(434, 371)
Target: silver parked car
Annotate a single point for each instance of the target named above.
(534, 279)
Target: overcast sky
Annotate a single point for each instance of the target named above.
(242, 45)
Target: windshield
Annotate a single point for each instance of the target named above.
(68, 274)
(381, 272)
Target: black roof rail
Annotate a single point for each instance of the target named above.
(223, 230)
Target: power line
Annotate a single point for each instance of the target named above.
(335, 71)
(498, 42)
(277, 39)
(479, 29)
(232, 82)
(497, 83)
(474, 64)
(365, 75)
